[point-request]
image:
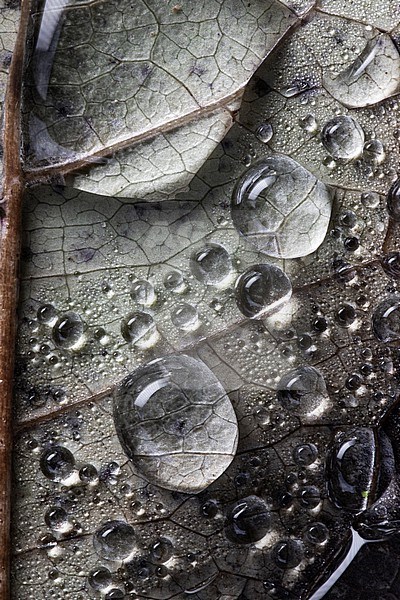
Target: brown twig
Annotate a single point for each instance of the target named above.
(10, 241)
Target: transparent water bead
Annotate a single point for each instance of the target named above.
(68, 331)
(211, 264)
(262, 290)
(176, 423)
(372, 76)
(185, 316)
(386, 320)
(142, 292)
(343, 138)
(281, 208)
(57, 463)
(115, 540)
(248, 520)
(302, 390)
(350, 469)
(137, 328)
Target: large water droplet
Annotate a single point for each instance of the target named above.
(211, 265)
(57, 463)
(386, 320)
(68, 331)
(343, 138)
(302, 390)
(281, 208)
(138, 328)
(373, 76)
(175, 421)
(115, 540)
(350, 469)
(262, 290)
(248, 520)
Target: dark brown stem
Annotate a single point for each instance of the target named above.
(10, 241)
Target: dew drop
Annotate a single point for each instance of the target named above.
(346, 315)
(248, 520)
(175, 282)
(386, 320)
(57, 518)
(374, 151)
(391, 264)
(305, 454)
(316, 533)
(185, 316)
(161, 551)
(115, 540)
(262, 290)
(309, 124)
(115, 594)
(370, 199)
(211, 265)
(350, 469)
(372, 76)
(47, 314)
(343, 138)
(57, 463)
(281, 208)
(137, 328)
(142, 292)
(68, 331)
(88, 474)
(100, 579)
(393, 201)
(302, 390)
(175, 421)
(265, 132)
(287, 554)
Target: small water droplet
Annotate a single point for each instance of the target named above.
(143, 292)
(374, 151)
(343, 138)
(211, 265)
(115, 540)
(393, 201)
(386, 320)
(68, 331)
(262, 290)
(391, 264)
(288, 554)
(57, 463)
(100, 579)
(185, 316)
(248, 520)
(305, 454)
(302, 390)
(265, 132)
(138, 328)
(47, 314)
(161, 550)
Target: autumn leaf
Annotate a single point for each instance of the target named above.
(206, 369)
